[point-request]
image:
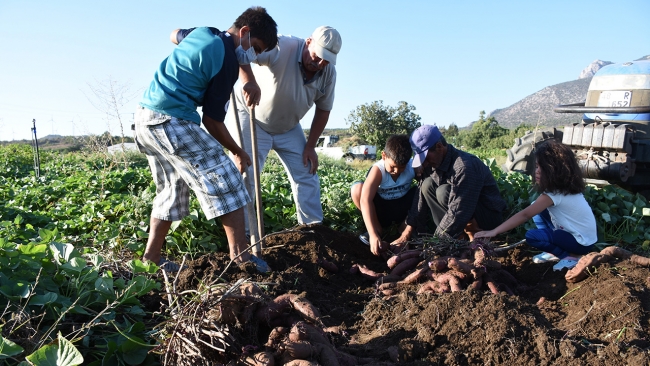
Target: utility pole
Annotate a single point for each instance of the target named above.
(37, 160)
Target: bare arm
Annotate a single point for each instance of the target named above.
(317, 126)
(252, 92)
(219, 131)
(540, 204)
(369, 212)
(172, 36)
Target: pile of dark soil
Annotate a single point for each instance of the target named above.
(602, 320)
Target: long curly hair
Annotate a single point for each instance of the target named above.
(559, 168)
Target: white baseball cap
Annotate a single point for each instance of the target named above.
(326, 43)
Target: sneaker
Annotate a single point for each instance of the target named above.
(260, 264)
(365, 238)
(567, 262)
(545, 258)
(169, 266)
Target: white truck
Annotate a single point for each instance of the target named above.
(326, 146)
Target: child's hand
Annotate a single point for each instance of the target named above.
(377, 246)
(484, 234)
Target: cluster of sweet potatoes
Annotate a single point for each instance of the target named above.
(472, 269)
(587, 262)
(298, 336)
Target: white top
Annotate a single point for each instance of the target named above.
(285, 96)
(390, 189)
(573, 214)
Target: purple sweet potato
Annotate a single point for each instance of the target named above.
(405, 265)
(398, 258)
(434, 287)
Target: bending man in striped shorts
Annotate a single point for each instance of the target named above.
(182, 156)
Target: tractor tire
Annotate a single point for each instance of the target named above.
(349, 158)
(520, 157)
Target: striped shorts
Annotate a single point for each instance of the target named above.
(182, 156)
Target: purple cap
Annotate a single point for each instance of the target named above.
(422, 139)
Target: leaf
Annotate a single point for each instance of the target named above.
(59, 353)
(606, 217)
(137, 266)
(105, 286)
(47, 235)
(40, 300)
(75, 265)
(133, 351)
(174, 226)
(62, 251)
(96, 259)
(31, 249)
(646, 211)
(9, 348)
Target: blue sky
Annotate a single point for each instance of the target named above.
(450, 59)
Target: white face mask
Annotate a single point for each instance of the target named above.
(245, 57)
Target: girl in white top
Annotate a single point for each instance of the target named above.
(566, 226)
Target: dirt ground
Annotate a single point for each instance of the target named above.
(602, 320)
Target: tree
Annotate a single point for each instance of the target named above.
(485, 133)
(375, 122)
(110, 96)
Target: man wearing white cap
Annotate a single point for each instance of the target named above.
(458, 187)
(293, 77)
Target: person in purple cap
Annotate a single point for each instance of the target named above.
(458, 188)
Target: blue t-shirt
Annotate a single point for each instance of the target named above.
(201, 71)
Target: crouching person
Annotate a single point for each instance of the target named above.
(387, 193)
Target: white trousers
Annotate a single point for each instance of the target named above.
(289, 147)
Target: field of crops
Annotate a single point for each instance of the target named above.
(71, 280)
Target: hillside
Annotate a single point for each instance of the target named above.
(537, 108)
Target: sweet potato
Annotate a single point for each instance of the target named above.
(388, 289)
(327, 265)
(276, 336)
(476, 284)
(415, 275)
(388, 286)
(478, 272)
(460, 266)
(616, 252)
(479, 257)
(640, 260)
(301, 363)
(487, 279)
(405, 265)
(492, 264)
(305, 308)
(365, 272)
(460, 275)
(303, 331)
(274, 308)
(398, 258)
(450, 279)
(250, 289)
(326, 355)
(260, 359)
(434, 287)
(300, 349)
(439, 264)
(580, 271)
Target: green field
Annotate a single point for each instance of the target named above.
(70, 242)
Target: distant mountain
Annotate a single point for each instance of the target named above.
(537, 109)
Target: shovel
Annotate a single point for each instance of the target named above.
(255, 219)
